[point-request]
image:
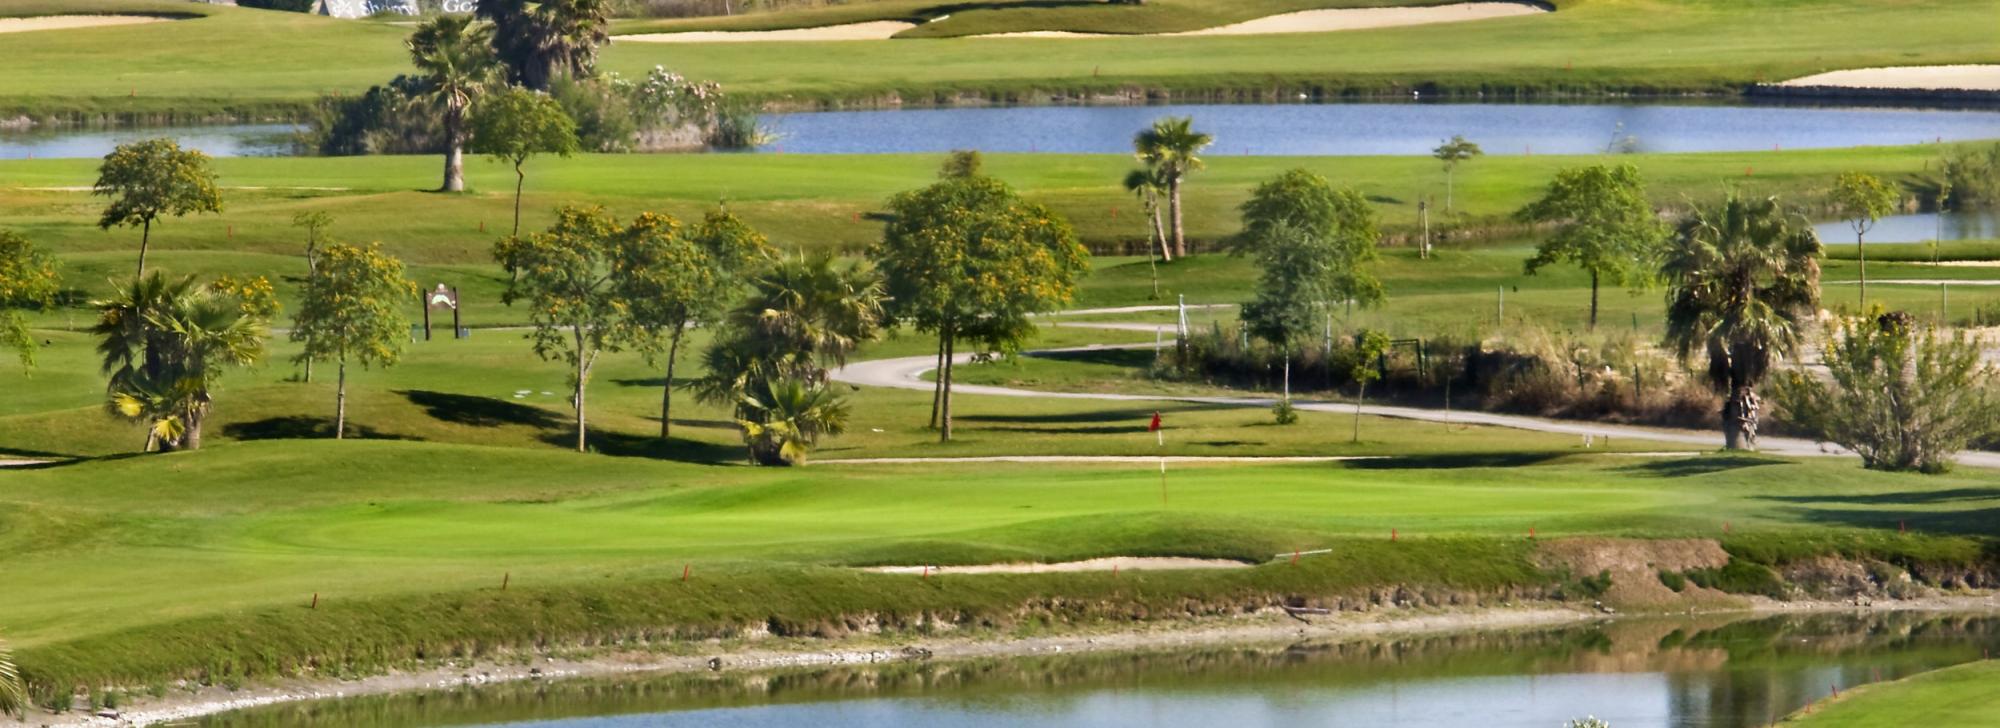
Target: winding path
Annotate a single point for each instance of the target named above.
(907, 373)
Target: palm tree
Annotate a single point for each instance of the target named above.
(455, 63)
(164, 343)
(1170, 148)
(1148, 186)
(783, 419)
(13, 694)
(815, 310)
(1743, 278)
(542, 39)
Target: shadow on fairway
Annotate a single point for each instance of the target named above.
(1927, 497)
(1127, 358)
(462, 409)
(1698, 465)
(1453, 461)
(1143, 415)
(619, 444)
(302, 427)
(1978, 522)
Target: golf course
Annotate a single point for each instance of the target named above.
(989, 437)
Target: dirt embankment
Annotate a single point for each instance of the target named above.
(1634, 569)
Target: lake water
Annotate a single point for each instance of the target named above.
(1381, 129)
(1259, 129)
(1642, 673)
(1917, 228)
(240, 140)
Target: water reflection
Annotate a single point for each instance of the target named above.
(1709, 673)
(1382, 129)
(1968, 225)
(245, 140)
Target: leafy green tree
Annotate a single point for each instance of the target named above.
(1338, 219)
(515, 125)
(1171, 148)
(1741, 280)
(150, 179)
(316, 223)
(165, 343)
(1902, 396)
(542, 39)
(565, 279)
(1453, 152)
(1604, 225)
(963, 163)
(354, 310)
(968, 259)
(803, 316)
(455, 64)
(673, 279)
(785, 418)
(1861, 199)
(29, 278)
(1369, 347)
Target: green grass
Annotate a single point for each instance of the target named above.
(280, 61)
(1966, 696)
(956, 19)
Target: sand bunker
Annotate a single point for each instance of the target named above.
(1121, 563)
(1929, 78)
(878, 30)
(1320, 21)
(64, 22)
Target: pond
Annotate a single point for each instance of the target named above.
(1635, 673)
(240, 140)
(1381, 129)
(1918, 228)
(1240, 129)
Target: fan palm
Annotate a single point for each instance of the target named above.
(13, 694)
(164, 343)
(815, 309)
(455, 63)
(540, 39)
(784, 418)
(1171, 148)
(1742, 280)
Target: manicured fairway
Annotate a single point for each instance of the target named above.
(282, 60)
(1967, 696)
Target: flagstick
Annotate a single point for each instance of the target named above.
(1163, 482)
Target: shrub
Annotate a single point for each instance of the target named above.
(1673, 580)
(1740, 577)
(1285, 413)
(295, 6)
(1903, 397)
(605, 120)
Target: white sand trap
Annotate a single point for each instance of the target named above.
(66, 22)
(1321, 21)
(877, 30)
(1121, 563)
(1930, 78)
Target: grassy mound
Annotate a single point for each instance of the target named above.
(1964, 697)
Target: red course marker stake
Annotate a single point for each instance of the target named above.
(315, 604)
(1295, 557)
(685, 568)
(1392, 534)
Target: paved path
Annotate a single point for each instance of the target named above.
(907, 373)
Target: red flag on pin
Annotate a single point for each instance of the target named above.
(1155, 426)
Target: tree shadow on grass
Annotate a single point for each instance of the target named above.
(1453, 461)
(1127, 358)
(303, 427)
(465, 409)
(1698, 465)
(1926, 497)
(619, 444)
(1143, 414)
(1977, 522)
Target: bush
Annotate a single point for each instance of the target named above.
(384, 120)
(1740, 577)
(1285, 413)
(1674, 580)
(295, 6)
(605, 120)
(1903, 397)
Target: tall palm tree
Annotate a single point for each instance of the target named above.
(542, 39)
(455, 63)
(1148, 186)
(1171, 147)
(164, 343)
(784, 419)
(1742, 280)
